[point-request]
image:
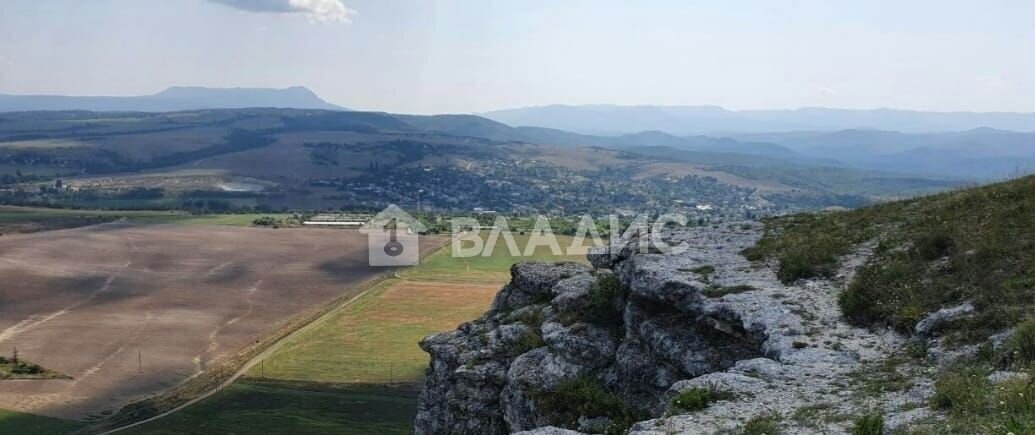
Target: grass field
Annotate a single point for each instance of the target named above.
(19, 423)
(326, 379)
(374, 340)
(253, 407)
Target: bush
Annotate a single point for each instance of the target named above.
(872, 424)
(26, 369)
(935, 245)
(696, 399)
(528, 341)
(600, 304)
(766, 424)
(584, 397)
(266, 221)
(804, 264)
(1022, 345)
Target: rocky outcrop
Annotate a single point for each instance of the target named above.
(596, 348)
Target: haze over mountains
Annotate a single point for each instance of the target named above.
(173, 99)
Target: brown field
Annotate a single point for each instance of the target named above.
(131, 310)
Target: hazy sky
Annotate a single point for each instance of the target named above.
(426, 56)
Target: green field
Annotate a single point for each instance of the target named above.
(17, 423)
(253, 407)
(374, 340)
(442, 266)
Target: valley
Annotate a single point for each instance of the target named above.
(307, 159)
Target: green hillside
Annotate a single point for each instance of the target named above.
(975, 245)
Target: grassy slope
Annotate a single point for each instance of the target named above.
(976, 244)
(973, 245)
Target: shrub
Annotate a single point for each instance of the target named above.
(934, 245)
(765, 424)
(584, 397)
(23, 368)
(1022, 344)
(266, 221)
(600, 304)
(696, 399)
(805, 263)
(531, 318)
(528, 341)
(871, 424)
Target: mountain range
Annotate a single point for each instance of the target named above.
(713, 120)
(173, 99)
(963, 145)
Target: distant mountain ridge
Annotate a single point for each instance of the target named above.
(714, 120)
(980, 153)
(173, 99)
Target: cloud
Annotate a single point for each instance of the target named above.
(322, 11)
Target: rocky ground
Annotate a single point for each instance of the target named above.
(647, 326)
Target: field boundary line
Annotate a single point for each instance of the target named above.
(320, 316)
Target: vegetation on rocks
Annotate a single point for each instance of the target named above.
(870, 424)
(585, 397)
(765, 424)
(975, 404)
(600, 304)
(696, 399)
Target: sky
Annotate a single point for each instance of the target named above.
(464, 56)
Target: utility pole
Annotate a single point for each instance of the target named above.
(140, 361)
